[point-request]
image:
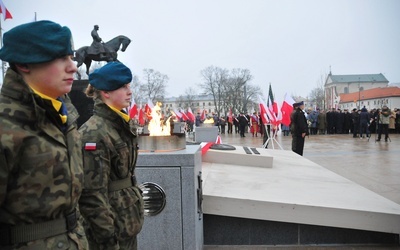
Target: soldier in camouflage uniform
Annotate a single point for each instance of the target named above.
(111, 202)
(40, 149)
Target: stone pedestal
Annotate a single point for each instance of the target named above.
(180, 223)
(206, 134)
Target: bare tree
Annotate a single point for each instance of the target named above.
(214, 79)
(234, 90)
(135, 87)
(154, 85)
(230, 89)
(253, 91)
(317, 96)
(190, 95)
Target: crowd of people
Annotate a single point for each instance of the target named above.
(359, 122)
(238, 124)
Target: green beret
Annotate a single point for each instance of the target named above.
(36, 42)
(110, 77)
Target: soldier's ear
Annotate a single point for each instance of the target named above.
(105, 94)
(22, 67)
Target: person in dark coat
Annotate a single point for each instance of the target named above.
(330, 121)
(347, 124)
(339, 121)
(374, 123)
(355, 118)
(243, 121)
(364, 122)
(298, 128)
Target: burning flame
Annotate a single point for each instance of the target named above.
(209, 120)
(157, 126)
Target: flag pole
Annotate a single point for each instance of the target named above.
(271, 138)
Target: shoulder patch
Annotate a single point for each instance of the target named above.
(90, 146)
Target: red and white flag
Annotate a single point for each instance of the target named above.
(148, 108)
(263, 114)
(4, 11)
(90, 146)
(287, 109)
(218, 140)
(133, 110)
(203, 115)
(177, 113)
(271, 115)
(191, 115)
(279, 114)
(141, 117)
(185, 117)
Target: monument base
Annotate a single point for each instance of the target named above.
(206, 134)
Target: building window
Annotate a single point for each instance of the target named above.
(346, 90)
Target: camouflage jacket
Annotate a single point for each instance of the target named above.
(40, 166)
(112, 216)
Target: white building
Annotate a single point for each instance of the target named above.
(197, 104)
(371, 98)
(335, 85)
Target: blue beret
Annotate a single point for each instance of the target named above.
(110, 77)
(36, 42)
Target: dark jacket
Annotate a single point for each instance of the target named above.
(243, 121)
(298, 122)
(355, 118)
(364, 117)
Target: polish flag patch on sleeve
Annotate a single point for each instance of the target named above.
(90, 146)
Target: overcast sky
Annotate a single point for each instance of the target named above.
(291, 44)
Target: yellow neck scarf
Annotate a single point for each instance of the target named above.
(122, 114)
(56, 104)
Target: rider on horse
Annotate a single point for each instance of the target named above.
(97, 46)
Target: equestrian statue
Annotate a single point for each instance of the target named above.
(100, 51)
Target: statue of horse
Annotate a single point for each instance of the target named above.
(112, 46)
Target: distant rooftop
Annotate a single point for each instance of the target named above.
(358, 78)
(371, 94)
